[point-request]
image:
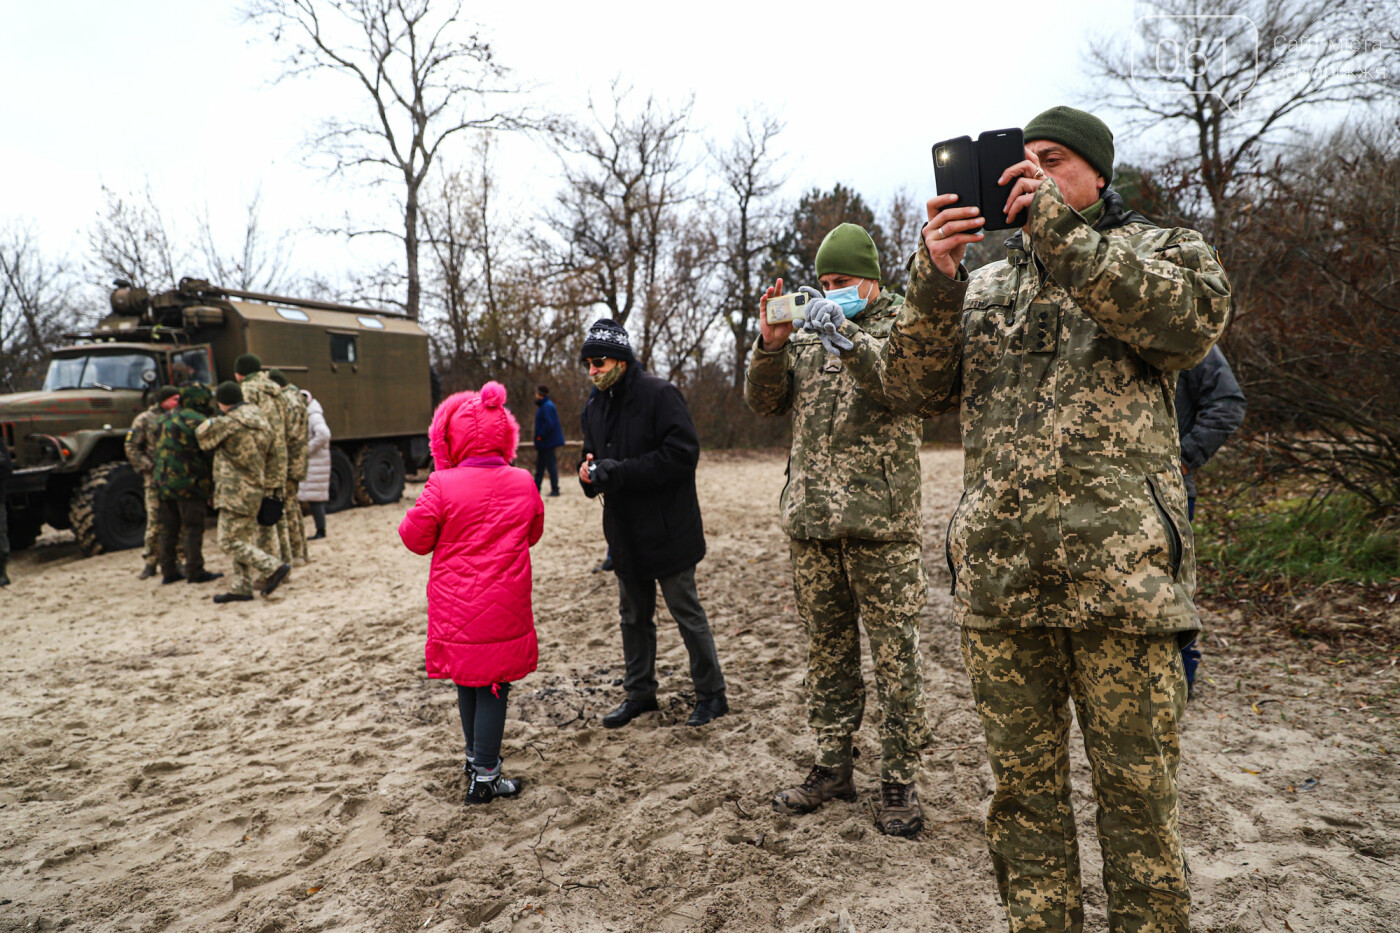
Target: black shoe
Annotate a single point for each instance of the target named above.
(276, 579)
(628, 711)
(147, 572)
(317, 536)
(205, 577)
(171, 578)
(708, 710)
(554, 494)
(484, 788)
(605, 566)
(234, 598)
(4, 577)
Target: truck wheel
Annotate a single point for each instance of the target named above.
(24, 527)
(108, 511)
(378, 475)
(342, 481)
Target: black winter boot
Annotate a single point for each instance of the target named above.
(485, 786)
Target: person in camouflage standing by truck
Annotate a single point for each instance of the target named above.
(240, 439)
(298, 425)
(184, 483)
(851, 510)
(259, 389)
(140, 446)
(1071, 554)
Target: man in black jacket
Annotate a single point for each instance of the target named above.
(640, 451)
(1209, 408)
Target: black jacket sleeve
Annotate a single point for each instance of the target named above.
(589, 447)
(7, 468)
(669, 462)
(1219, 406)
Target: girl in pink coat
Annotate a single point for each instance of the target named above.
(478, 516)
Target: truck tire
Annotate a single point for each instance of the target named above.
(342, 482)
(379, 475)
(108, 511)
(24, 527)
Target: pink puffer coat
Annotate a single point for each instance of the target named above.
(478, 516)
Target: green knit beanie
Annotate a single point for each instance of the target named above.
(246, 365)
(848, 250)
(1083, 132)
(276, 376)
(229, 393)
(166, 392)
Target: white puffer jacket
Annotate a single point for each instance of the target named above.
(317, 486)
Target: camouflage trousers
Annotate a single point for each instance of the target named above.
(882, 584)
(237, 539)
(150, 552)
(1129, 692)
(296, 525)
(275, 539)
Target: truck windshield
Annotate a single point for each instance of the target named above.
(115, 371)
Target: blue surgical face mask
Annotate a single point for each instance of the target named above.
(849, 299)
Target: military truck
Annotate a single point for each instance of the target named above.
(368, 368)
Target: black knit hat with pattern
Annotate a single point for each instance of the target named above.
(608, 338)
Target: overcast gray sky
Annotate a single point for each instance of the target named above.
(185, 94)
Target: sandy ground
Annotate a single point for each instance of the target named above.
(166, 764)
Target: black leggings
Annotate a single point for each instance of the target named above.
(483, 722)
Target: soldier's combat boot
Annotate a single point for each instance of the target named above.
(899, 814)
(485, 786)
(234, 598)
(4, 577)
(147, 572)
(821, 785)
(276, 578)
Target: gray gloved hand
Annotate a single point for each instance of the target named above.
(824, 318)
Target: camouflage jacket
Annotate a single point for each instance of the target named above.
(1063, 359)
(240, 441)
(297, 425)
(853, 470)
(183, 470)
(267, 395)
(141, 441)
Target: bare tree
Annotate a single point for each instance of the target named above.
(499, 319)
(257, 264)
(625, 188)
(904, 218)
(130, 240)
(1233, 76)
(424, 77)
(36, 306)
(752, 226)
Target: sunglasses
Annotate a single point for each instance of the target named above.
(597, 362)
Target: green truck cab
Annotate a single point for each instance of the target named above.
(369, 369)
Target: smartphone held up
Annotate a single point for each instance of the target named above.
(785, 309)
(971, 169)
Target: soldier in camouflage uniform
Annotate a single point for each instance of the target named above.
(298, 426)
(184, 483)
(140, 445)
(240, 439)
(851, 510)
(1071, 554)
(259, 389)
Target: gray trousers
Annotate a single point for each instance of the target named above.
(638, 608)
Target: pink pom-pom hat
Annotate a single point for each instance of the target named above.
(473, 424)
